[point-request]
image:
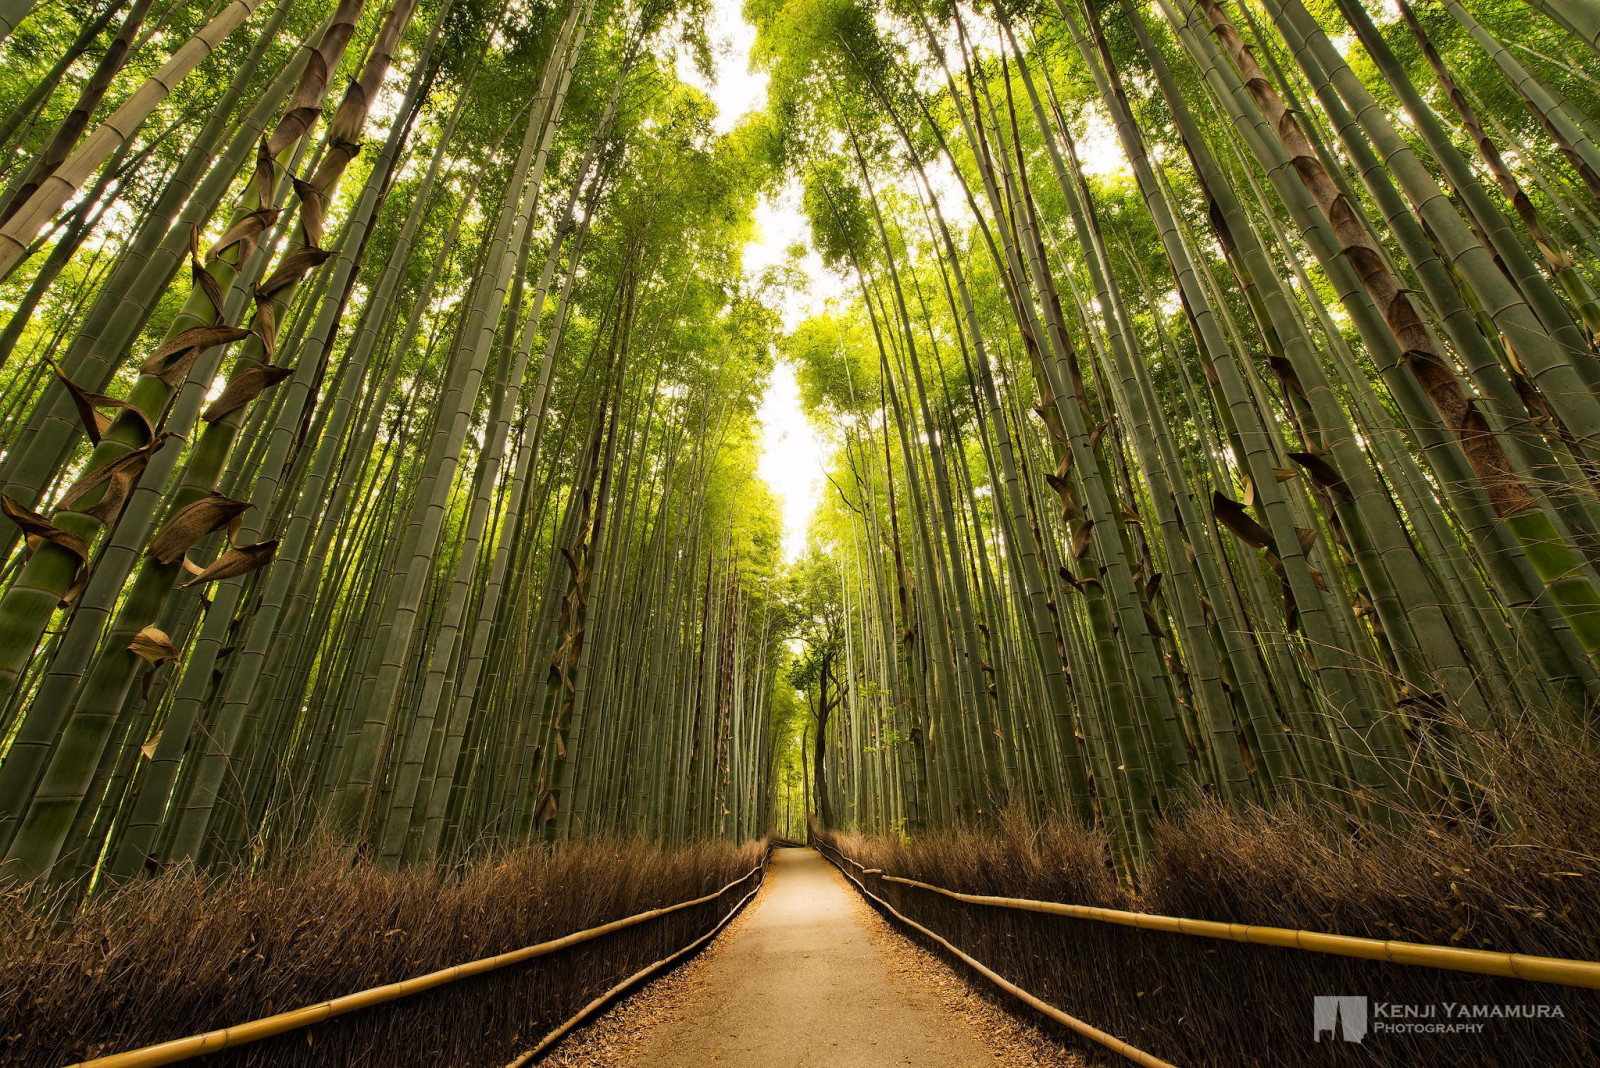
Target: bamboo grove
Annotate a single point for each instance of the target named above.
(1216, 408)
(1215, 401)
(378, 417)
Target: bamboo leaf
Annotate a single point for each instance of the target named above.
(116, 478)
(245, 387)
(153, 646)
(89, 405)
(188, 525)
(1232, 514)
(238, 560)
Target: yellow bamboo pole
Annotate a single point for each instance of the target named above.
(643, 973)
(1087, 1030)
(1579, 973)
(182, 1049)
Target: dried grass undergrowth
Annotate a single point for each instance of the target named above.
(185, 953)
(1530, 885)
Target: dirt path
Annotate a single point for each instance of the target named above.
(807, 977)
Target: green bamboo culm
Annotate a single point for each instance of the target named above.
(383, 389)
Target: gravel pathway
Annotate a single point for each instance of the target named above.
(809, 976)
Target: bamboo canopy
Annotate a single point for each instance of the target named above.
(1211, 396)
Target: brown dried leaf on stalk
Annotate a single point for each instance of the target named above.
(89, 404)
(296, 122)
(313, 210)
(1232, 514)
(171, 362)
(190, 524)
(238, 560)
(36, 528)
(1152, 623)
(153, 646)
(245, 387)
(295, 266)
(246, 233)
(1291, 609)
(1322, 472)
(1081, 538)
(118, 476)
(351, 116)
(266, 327)
(200, 276)
(200, 337)
(266, 175)
(1286, 375)
(1070, 508)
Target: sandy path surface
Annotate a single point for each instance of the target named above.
(802, 983)
(810, 975)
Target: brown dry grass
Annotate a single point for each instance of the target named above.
(184, 953)
(1529, 883)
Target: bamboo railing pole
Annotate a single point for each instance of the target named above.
(643, 973)
(1535, 969)
(182, 1049)
(1087, 1030)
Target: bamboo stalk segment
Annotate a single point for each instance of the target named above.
(118, 128)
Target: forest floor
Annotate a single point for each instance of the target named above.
(810, 977)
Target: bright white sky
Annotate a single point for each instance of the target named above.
(793, 454)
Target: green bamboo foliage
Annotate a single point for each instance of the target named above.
(1274, 467)
(68, 177)
(311, 571)
(380, 419)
